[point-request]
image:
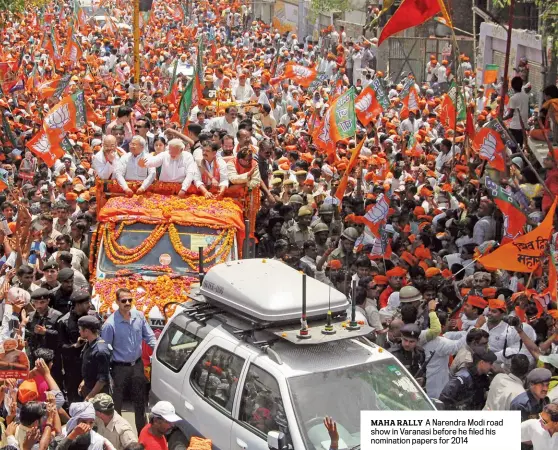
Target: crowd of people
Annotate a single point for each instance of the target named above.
(474, 336)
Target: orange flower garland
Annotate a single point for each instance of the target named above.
(146, 293)
(224, 239)
(121, 255)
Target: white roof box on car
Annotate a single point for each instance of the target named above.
(269, 291)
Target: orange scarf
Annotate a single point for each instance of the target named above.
(205, 175)
(242, 170)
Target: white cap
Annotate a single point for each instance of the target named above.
(166, 411)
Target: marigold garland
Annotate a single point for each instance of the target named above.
(156, 293)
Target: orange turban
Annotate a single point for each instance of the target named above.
(489, 292)
(409, 259)
(497, 304)
(382, 280)
(71, 196)
(335, 264)
(432, 272)
(396, 272)
(477, 302)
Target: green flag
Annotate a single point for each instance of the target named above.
(8, 131)
(460, 103)
(186, 103)
(344, 115)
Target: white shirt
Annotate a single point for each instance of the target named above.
(243, 93)
(532, 431)
(519, 101)
(128, 169)
(221, 166)
(442, 74)
(220, 123)
(502, 333)
(102, 167)
(182, 169)
(503, 389)
(407, 125)
(437, 370)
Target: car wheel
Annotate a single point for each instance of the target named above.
(177, 441)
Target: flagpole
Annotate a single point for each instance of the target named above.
(136, 43)
(508, 50)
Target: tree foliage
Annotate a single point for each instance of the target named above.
(325, 6)
(19, 6)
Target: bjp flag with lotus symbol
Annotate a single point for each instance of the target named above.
(371, 102)
(68, 115)
(40, 145)
(301, 75)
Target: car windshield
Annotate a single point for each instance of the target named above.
(344, 393)
(133, 235)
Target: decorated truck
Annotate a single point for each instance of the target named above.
(151, 243)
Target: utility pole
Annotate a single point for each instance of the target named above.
(136, 43)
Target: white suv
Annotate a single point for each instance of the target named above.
(238, 381)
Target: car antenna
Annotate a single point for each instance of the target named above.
(328, 329)
(353, 325)
(200, 264)
(303, 333)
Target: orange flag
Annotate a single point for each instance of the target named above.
(410, 103)
(490, 147)
(301, 75)
(42, 147)
(68, 115)
(375, 217)
(525, 253)
(371, 102)
(345, 178)
(447, 113)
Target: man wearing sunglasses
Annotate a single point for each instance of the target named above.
(542, 432)
(125, 330)
(143, 125)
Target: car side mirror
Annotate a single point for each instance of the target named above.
(275, 440)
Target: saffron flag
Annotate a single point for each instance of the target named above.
(298, 74)
(68, 115)
(410, 103)
(73, 50)
(447, 113)
(375, 217)
(552, 276)
(470, 124)
(489, 145)
(371, 102)
(514, 217)
(490, 73)
(40, 145)
(339, 123)
(53, 88)
(340, 192)
(524, 253)
(412, 13)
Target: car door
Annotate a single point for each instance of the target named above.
(174, 348)
(260, 410)
(209, 390)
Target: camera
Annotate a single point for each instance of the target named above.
(512, 321)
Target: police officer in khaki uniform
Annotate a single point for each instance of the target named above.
(346, 246)
(300, 232)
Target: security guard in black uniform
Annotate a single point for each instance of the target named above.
(411, 356)
(71, 344)
(534, 399)
(95, 367)
(467, 388)
(61, 299)
(42, 330)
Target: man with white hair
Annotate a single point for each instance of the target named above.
(177, 166)
(128, 169)
(104, 163)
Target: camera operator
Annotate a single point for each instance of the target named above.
(503, 338)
